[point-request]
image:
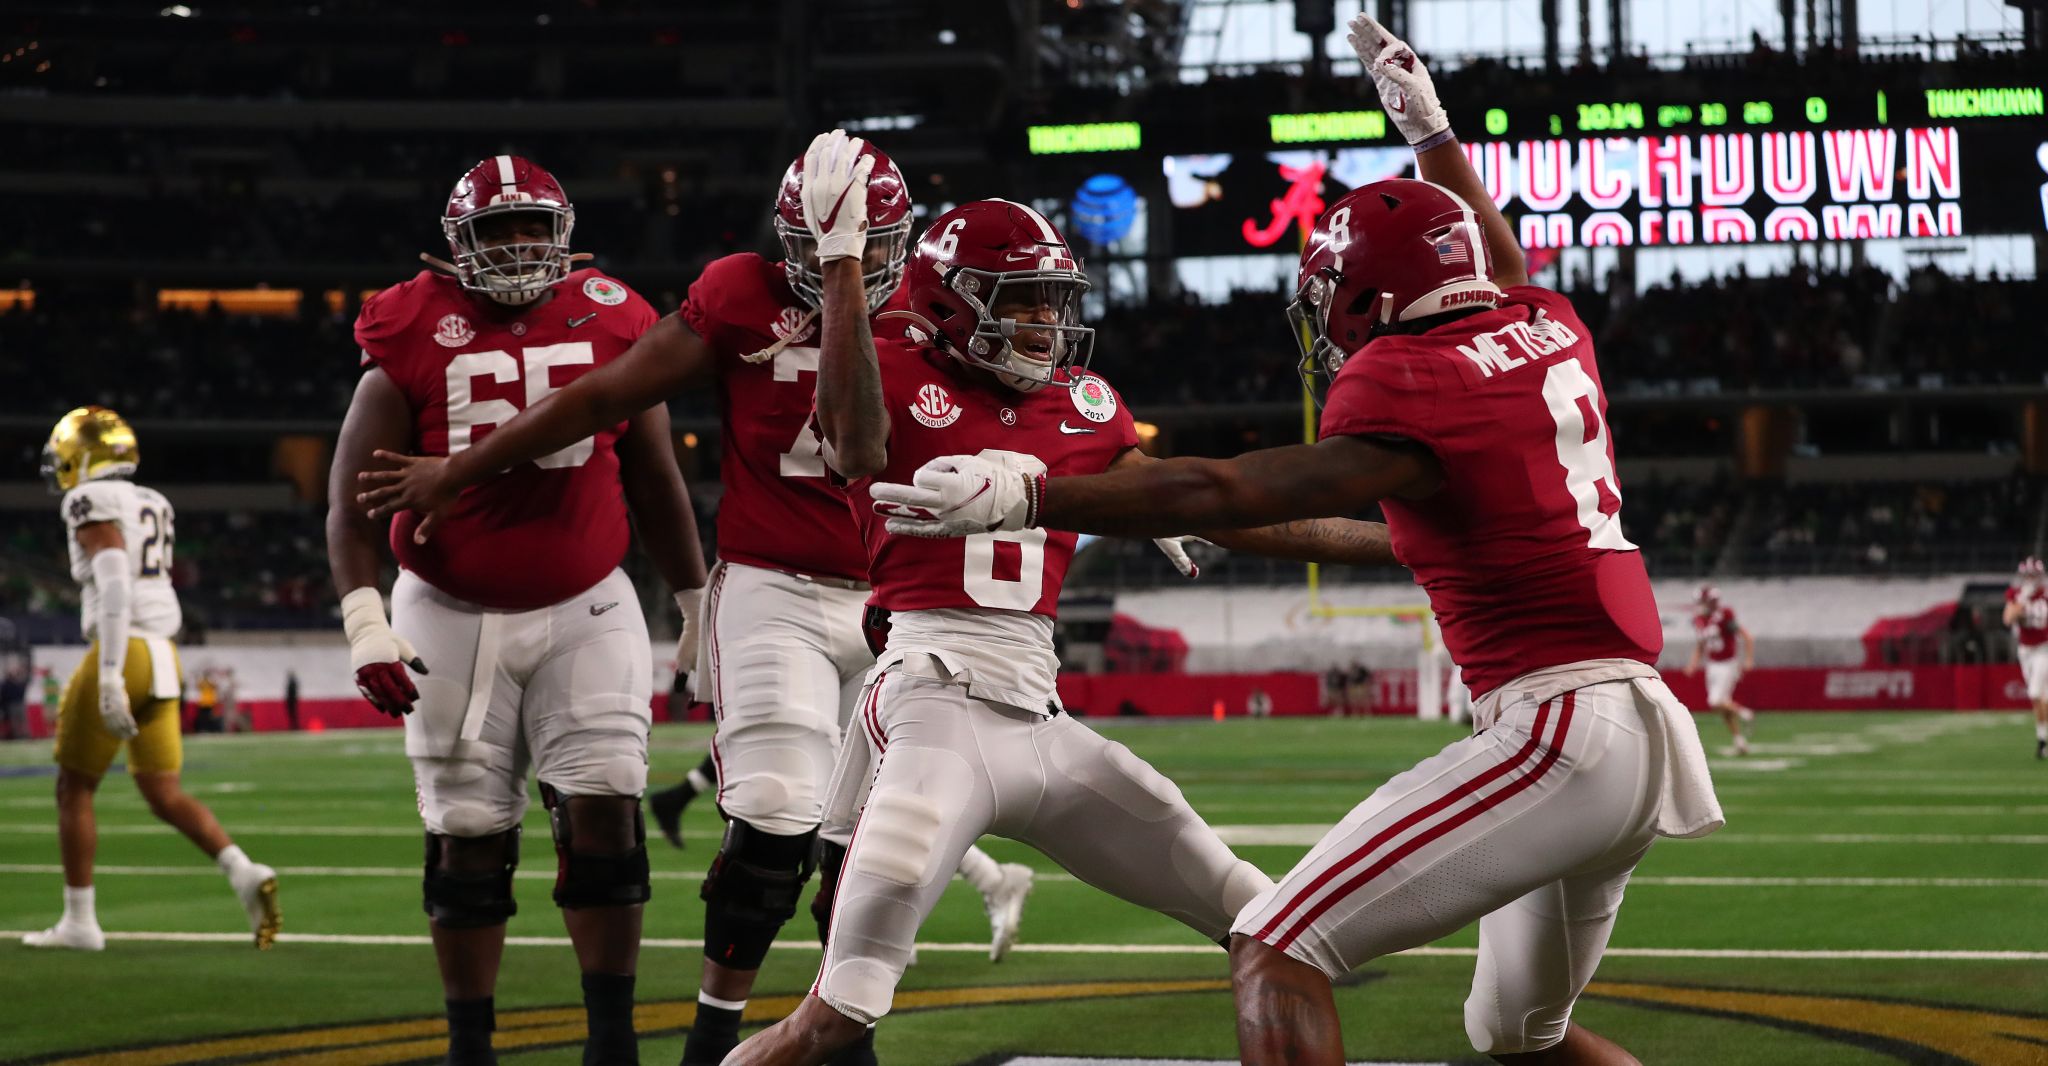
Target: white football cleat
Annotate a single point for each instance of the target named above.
(1741, 744)
(1005, 908)
(75, 936)
(1746, 714)
(256, 886)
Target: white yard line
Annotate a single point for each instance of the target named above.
(412, 873)
(981, 947)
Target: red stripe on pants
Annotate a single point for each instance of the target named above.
(1410, 846)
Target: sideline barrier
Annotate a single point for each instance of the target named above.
(1930, 688)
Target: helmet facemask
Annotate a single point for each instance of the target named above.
(881, 268)
(1026, 355)
(53, 471)
(1309, 315)
(514, 273)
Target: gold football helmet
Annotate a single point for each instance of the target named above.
(89, 443)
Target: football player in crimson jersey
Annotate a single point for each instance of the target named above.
(782, 653)
(1718, 636)
(960, 714)
(1467, 403)
(534, 637)
(2026, 611)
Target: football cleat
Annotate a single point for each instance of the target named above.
(1005, 908)
(667, 808)
(75, 936)
(256, 887)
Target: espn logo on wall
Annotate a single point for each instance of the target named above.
(1869, 684)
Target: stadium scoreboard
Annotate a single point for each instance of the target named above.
(1837, 165)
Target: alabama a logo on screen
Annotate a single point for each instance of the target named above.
(1094, 400)
(453, 331)
(934, 409)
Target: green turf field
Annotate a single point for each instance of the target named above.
(1880, 895)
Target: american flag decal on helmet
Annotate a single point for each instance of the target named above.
(1450, 249)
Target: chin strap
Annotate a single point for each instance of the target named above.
(769, 352)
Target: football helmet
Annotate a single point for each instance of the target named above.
(2032, 572)
(518, 272)
(982, 255)
(1707, 598)
(87, 444)
(1387, 252)
(888, 244)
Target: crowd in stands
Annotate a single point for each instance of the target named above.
(1888, 527)
(1741, 333)
(1812, 329)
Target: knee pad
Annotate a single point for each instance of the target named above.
(776, 785)
(469, 900)
(583, 879)
(831, 861)
(752, 889)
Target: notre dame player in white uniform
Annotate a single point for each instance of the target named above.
(126, 689)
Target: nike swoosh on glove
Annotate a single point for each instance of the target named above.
(835, 194)
(957, 496)
(1403, 83)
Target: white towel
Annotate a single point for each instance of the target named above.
(164, 683)
(1690, 808)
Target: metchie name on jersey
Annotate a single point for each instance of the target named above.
(1544, 336)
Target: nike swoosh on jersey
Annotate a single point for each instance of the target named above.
(574, 322)
(600, 608)
(1064, 428)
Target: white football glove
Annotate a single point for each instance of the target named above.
(835, 194)
(114, 711)
(1175, 549)
(957, 496)
(1403, 83)
(691, 603)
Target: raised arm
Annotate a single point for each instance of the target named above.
(851, 416)
(1308, 540)
(662, 362)
(1411, 102)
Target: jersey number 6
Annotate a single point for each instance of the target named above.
(985, 553)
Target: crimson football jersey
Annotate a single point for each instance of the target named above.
(1521, 549)
(779, 510)
(2033, 624)
(936, 408)
(540, 532)
(1717, 633)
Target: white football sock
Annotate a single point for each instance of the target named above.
(697, 780)
(2040, 733)
(980, 871)
(78, 906)
(231, 860)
